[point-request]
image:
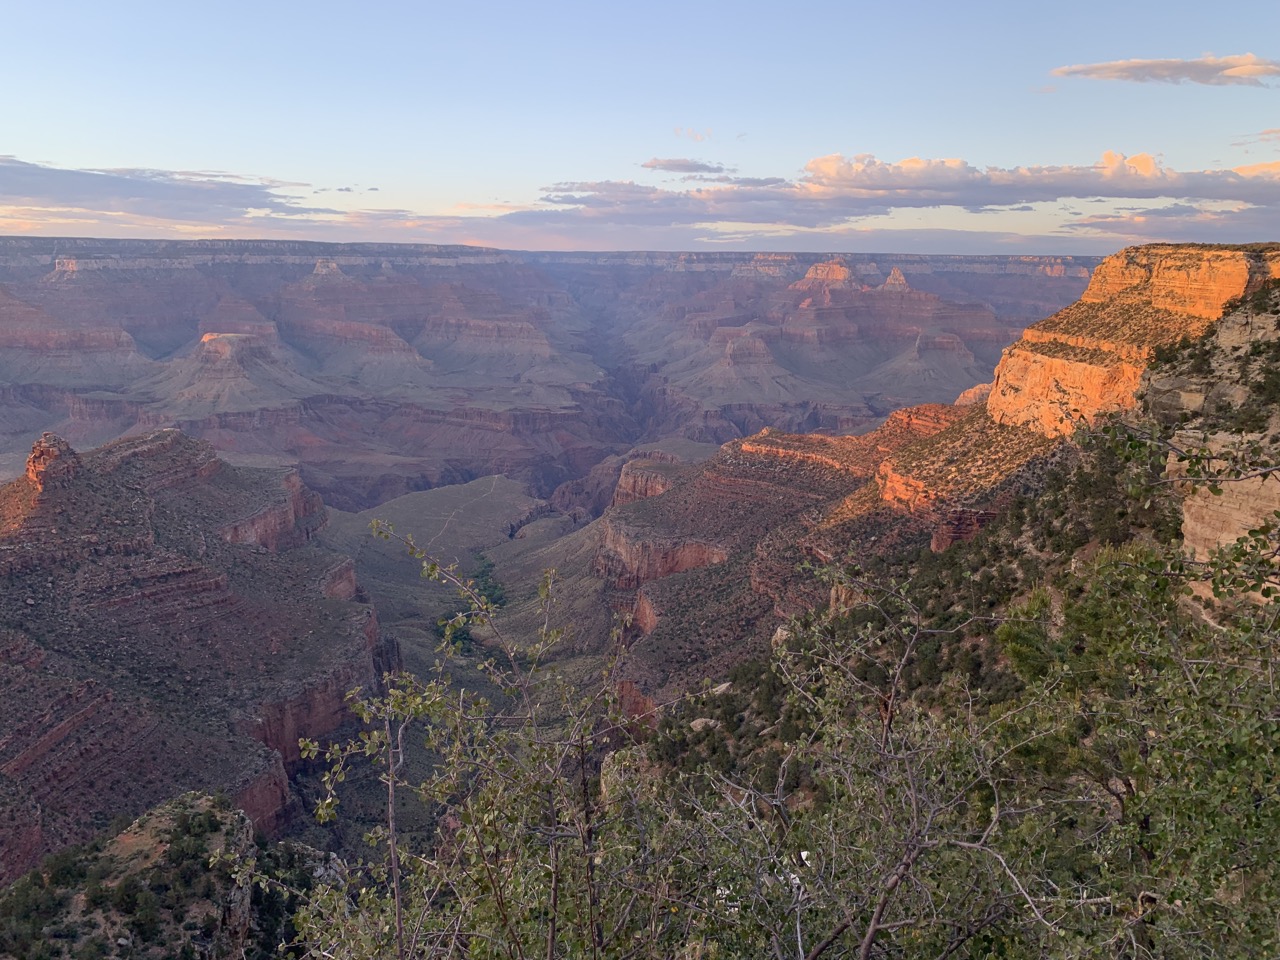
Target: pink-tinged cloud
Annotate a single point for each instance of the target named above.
(695, 135)
(1244, 69)
(1262, 136)
(834, 198)
(917, 182)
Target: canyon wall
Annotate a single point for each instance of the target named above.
(649, 476)
(287, 521)
(1088, 359)
(167, 624)
(629, 557)
(929, 476)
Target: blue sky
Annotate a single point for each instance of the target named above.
(933, 127)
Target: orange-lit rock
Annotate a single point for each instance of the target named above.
(860, 455)
(1195, 281)
(901, 490)
(1087, 360)
(974, 395)
(831, 273)
(1057, 395)
(896, 282)
(52, 463)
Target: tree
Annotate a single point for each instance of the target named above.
(1124, 802)
(545, 849)
(533, 856)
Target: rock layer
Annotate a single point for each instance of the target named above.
(376, 370)
(933, 475)
(1087, 360)
(157, 598)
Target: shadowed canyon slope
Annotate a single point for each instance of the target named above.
(380, 369)
(705, 557)
(166, 623)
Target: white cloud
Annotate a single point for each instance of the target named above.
(1242, 69)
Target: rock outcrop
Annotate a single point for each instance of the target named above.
(648, 477)
(52, 463)
(1211, 521)
(290, 519)
(1220, 398)
(823, 276)
(705, 564)
(959, 525)
(630, 556)
(1194, 281)
(1088, 359)
(167, 623)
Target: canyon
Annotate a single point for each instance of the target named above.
(376, 370)
(682, 437)
(706, 559)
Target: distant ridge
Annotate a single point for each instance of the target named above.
(379, 369)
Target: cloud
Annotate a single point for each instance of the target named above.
(833, 199)
(161, 195)
(919, 182)
(740, 181)
(695, 135)
(835, 194)
(1263, 136)
(1183, 222)
(684, 165)
(1243, 69)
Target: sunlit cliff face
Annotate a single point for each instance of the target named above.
(1087, 360)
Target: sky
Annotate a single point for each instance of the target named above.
(932, 127)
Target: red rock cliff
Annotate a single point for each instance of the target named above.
(286, 522)
(1087, 360)
(629, 556)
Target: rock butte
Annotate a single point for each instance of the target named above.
(1088, 359)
